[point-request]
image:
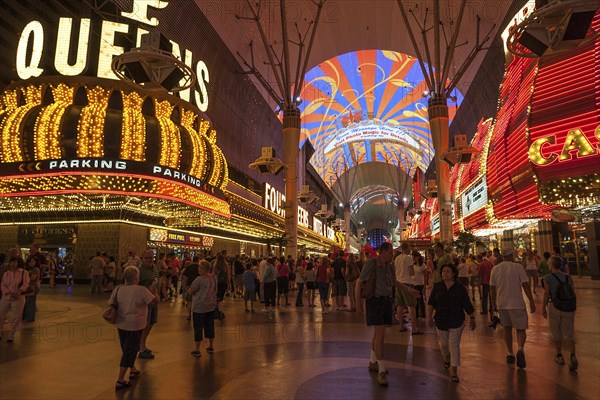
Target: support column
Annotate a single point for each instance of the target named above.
(400, 214)
(347, 224)
(507, 240)
(291, 139)
(592, 232)
(438, 124)
(543, 238)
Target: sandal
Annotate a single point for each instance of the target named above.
(455, 379)
(120, 385)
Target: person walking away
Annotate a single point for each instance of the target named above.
(261, 272)
(543, 267)
(475, 278)
(559, 289)
(447, 305)
(283, 280)
(111, 272)
(32, 292)
(204, 304)
(310, 283)
(52, 269)
(149, 279)
(323, 282)
(339, 280)
(248, 278)
(419, 284)
(531, 264)
(270, 284)
(97, 265)
(300, 273)
(506, 281)
(221, 271)
(463, 272)
(442, 258)
(351, 276)
(404, 272)
(238, 269)
(15, 283)
(379, 307)
(132, 301)
(189, 275)
(69, 262)
(485, 273)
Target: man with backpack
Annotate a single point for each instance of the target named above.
(558, 287)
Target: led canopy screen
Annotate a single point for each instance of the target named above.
(368, 106)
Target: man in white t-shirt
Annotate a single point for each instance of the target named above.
(403, 266)
(506, 281)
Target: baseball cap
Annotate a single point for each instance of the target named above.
(507, 252)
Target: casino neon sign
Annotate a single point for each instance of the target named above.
(31, 49)
(576, 142)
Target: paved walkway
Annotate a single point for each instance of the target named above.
(71, 353)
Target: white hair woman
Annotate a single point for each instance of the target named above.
(132, 313)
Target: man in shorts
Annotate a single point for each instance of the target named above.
(404, 269)
(506, 281)
(380, 306)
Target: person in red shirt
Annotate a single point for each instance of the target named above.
(485, 271)
(323, 281)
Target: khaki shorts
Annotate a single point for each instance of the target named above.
(561, 323)
(517, 319)
(404, 299)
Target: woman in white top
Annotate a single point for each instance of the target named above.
(132, 302)
(531, 263)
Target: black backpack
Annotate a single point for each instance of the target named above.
(565, 299)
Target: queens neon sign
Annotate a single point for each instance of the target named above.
(31, 49)
(576, 145)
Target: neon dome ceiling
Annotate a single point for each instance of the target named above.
(367, 106)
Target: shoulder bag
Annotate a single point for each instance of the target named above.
(110, 315)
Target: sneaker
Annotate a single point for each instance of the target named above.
(195, 353)
(10, 340)
(573, 363)
(382, 378)
(147, 354)
(264, 310)
(373, 366)
(210, 350)
(559, 359)
(521, 359)
(510, 359)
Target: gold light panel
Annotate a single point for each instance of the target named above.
(198, 147)
(47, 125)
(90, 142)
(170, 141)
(11, 123)
(133, 143)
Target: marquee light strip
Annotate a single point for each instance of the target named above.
(170, 140)
(133, 129)
(198, 147)
(90, 141)
(47, 126)
(11, 124)
(111, 183)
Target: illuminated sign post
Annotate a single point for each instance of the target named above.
(31, 49)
